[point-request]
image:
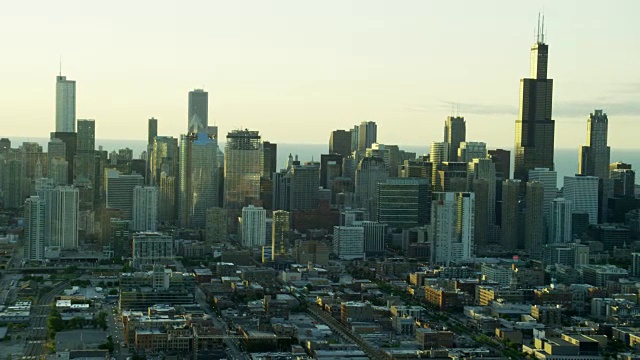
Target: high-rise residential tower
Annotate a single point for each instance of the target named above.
(34, 228)
(534, 233)
(198, 111)
(451, 231)
(145, 208)
(279, 234)
(535, 129)
(61, 216)
(254, 226)
(455, 132)
(594, 158)
(65, 105)
(510, 214)
(438, 153)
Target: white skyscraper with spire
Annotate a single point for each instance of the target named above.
(65, 104)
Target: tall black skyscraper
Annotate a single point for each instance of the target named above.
(198, 111)
(455, 132)
(152, 131)
(534, 142)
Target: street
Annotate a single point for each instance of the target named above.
(233, 350)
(37, 338)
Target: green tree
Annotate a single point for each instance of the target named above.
(108, 345)
(54, 323)
(102, 320)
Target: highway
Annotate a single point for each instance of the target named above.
(37, 338)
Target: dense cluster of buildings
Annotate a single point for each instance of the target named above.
(370, 251)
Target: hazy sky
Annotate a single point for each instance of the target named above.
(295, 70)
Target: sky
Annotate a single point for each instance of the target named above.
(296, 70)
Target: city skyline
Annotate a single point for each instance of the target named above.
(407, 86)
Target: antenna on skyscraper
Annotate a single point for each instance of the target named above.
(538, 30)
(542, 35)
(60, 74)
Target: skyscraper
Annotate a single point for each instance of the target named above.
(455, 132)
(549, 180)
(305, 182)
(582, 191)
(269, 159)
(86, 135)
(85, 160)
(472, 150)
(330, 168)
(534, 233)
(119, 191)
(438, 153)
(482, 180)
(451, 231)
(510, 214)
(594, 158)
(502, 159)
(404, 202)
(216, 231)
(62, 205)
(348, 242)
(535, 130)
(198, 186)
(65, 105)
(367, 135)
(242, 169)
(280, 234)
(34, 228)
(13, 183)
(198, 111)
(152, 131)
(374, 233)
(70, 140)
(560, 221)
(340, 143)
(624, 179)
(145, 208)
(451, 176)
(371, 171)
(254, 226)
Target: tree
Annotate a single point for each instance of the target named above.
(102, 320)
(108, 345)
(54, 323)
